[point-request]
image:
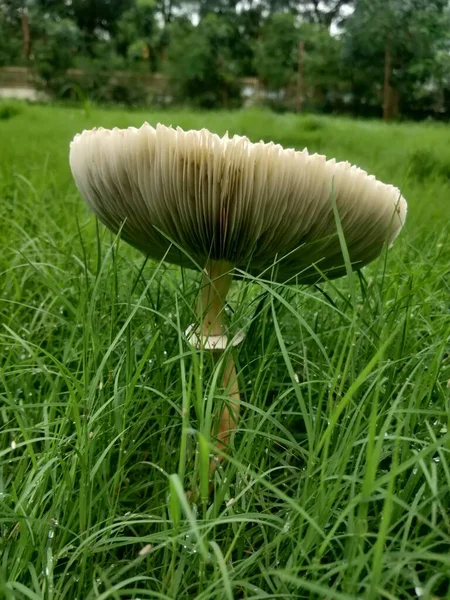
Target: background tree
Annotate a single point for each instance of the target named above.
(438, 81)
(15, 15)
(323, 12)
(249, 21)
(305, 54)
(325, 81)
(276, 51)
(56, 42)
(386, 41)
(96, 19)
(137, 35)
(91, 15)
(200, 62)
(10, 39)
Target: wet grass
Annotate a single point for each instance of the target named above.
(338, 485)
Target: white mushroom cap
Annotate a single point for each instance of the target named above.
(180, 194)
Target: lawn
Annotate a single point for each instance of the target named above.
(338, 485)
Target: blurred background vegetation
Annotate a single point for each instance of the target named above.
(387, 58)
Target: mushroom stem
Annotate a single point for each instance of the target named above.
(216, 282)
(230, 413)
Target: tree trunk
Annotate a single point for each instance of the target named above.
(300, 82)
(26, 38)
(387, 90)
(148, 55)
(162, 56)
(395, 103)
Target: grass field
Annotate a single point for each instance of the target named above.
(338, 485)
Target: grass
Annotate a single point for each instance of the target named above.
(338, 485)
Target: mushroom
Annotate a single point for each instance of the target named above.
(193, 199)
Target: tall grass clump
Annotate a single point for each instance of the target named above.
(9, 109)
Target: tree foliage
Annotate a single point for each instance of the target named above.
(201, 63)
(275, 52)
(365, 56)
(393, 44)
(323, 12)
